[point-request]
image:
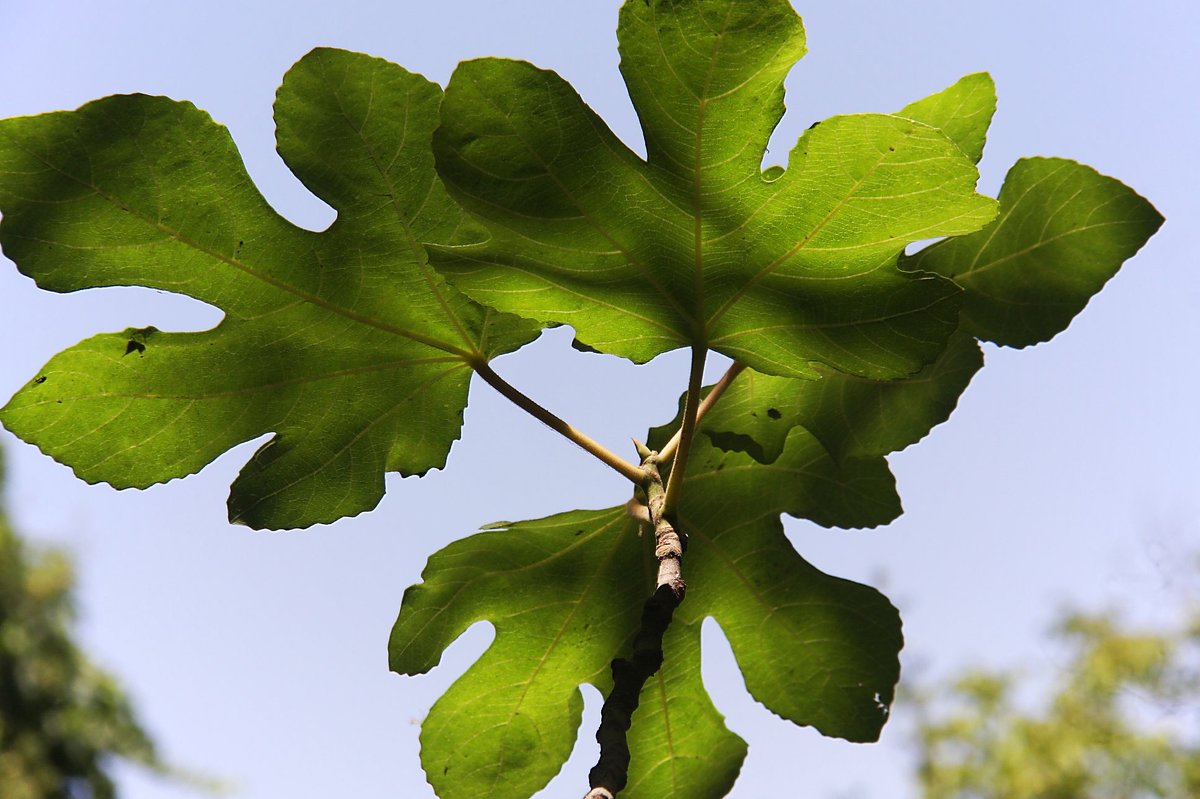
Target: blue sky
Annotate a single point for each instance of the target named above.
(1067, 476)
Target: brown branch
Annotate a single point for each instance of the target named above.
(611, 772)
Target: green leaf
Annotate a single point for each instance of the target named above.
(345, 343)
(1063, 231)
(697, 245)
(814, 649)
(963, 112)
(678, 741)
(565, 598)
(565, 595)
(850, 416)
(804, 481)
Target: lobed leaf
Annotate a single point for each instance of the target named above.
(850, 416)
(345, 344)
(697, 245)
(678, 741)
(1063, 230)
(565, 594)
(815, 649)
(560, 595)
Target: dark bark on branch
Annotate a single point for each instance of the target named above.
(610, 774)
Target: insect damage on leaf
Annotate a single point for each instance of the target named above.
(136, 339)
(355, 352)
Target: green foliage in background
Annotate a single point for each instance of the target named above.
(63, 721)
(468, 222)
(1120, 722)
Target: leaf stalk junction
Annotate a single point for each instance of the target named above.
(610, 774)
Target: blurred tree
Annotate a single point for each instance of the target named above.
(1116, 725)
(62, 720)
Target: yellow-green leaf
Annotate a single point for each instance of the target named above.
(1063, 230)
(565, 595)
(345, 344)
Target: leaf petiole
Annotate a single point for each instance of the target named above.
(629, 470)
(668, 451)
(687, 428)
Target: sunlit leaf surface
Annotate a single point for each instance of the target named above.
(781, 269)
(565, 594)
(345, 344)
(1063, 230)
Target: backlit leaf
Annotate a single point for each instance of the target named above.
(679, 744)
(560, 595)
(1063, 230)
(697, 244)
(963, 112)
(565, 594)
(814, 649)
(345, 344)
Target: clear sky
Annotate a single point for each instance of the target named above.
(1068, 474)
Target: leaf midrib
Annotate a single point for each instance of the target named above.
(698, 292)
(763, 273)
(418, 252)
(646, 273)
(248, 390)
(241, 266)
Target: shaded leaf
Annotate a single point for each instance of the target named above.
(565, 594)
(804, 481)
(698, 245)
(345, 343)
(850, 416)
(1063, 231)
